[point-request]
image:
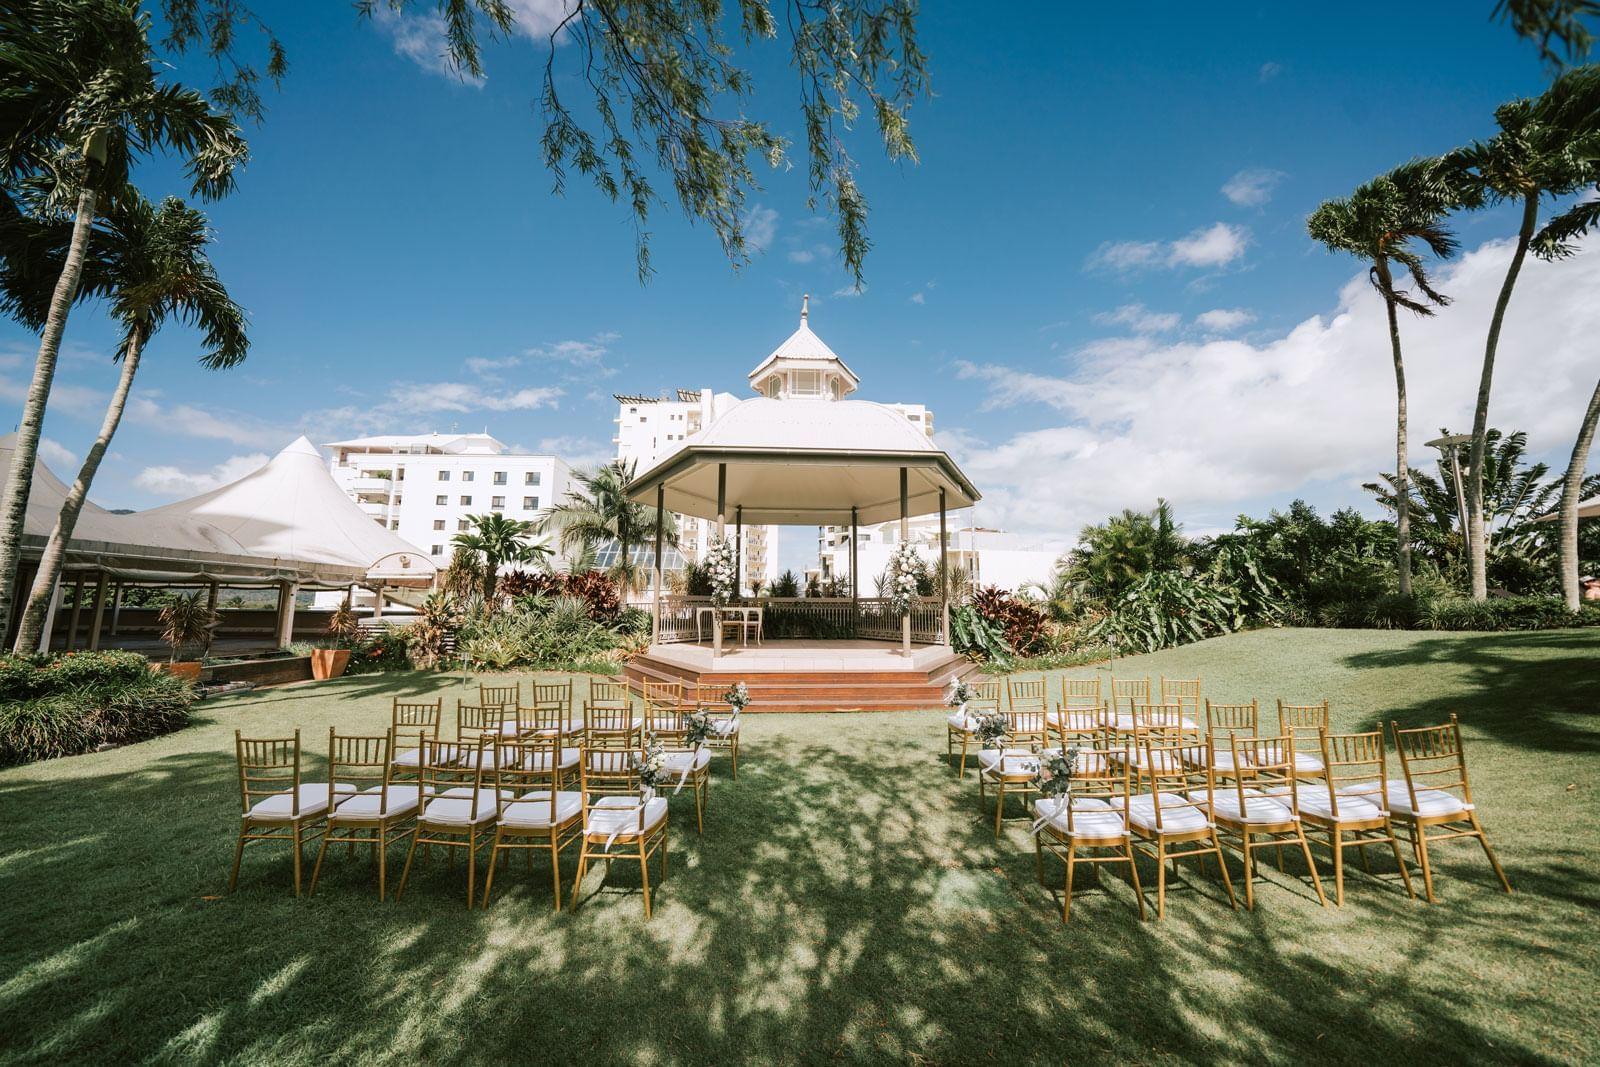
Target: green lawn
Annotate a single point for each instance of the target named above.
(846, 902)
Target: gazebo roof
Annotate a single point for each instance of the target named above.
(803, 462)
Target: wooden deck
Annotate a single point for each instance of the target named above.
(812, 675)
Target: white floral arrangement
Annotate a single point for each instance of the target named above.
(737, 697)
(722, 567)
(1052, 777)
(958, 694)
(906, 567)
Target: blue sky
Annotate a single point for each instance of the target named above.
(1097, 276)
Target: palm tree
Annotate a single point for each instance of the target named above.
(153, 264)
(1544, 148)
(600, 511)
(79, 104)
(1571, 493)
(500, 540)
(1113, 555)
(1378, 223)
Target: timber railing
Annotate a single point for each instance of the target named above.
(688, 618)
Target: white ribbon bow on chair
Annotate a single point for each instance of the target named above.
(646, 794)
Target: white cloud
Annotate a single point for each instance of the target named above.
(760, 227)
(587, 356)
(1223, 320)
(1252, 187)
(1269, 70)
(1214, 246)
(918, 297)
(1311, 408)
(1140, 319)
(577, 450)
(469, 396)
(210, 424)
(57, 455)
(174, 481)
(421, 36)
(850, 291)
(1211, 246)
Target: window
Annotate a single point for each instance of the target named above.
(463, 524)
(441, 500)
(444, 476)
(531, 478)
(466, 476)
(466, 501)
(438, 550)
(394, 524)
(499, 477)
(497, 503)
(438, 524)
(530, 503)
(644, 418)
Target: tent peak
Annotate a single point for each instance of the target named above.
(303, 446)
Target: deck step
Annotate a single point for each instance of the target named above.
(819, 690)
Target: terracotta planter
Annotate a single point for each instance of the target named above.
(328, 662)
(188, 670)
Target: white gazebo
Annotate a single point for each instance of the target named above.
(802, 454)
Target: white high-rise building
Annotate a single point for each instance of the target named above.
(425, 486)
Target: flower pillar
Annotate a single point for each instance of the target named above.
(655, 611)
(905, 538)
(722, 526)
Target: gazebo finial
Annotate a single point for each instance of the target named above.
(805, 305)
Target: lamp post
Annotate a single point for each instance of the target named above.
(1453, 442)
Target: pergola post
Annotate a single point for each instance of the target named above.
(855, 608)
(77, 611)
(905, 538)
(722, 529)
(655, 608)
(286, 595)
(377, 602)
(738, 550)
(944, 576)
(99, 613)
(116, 606)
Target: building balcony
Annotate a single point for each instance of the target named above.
(367, 484)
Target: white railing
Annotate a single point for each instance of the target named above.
(686, 618)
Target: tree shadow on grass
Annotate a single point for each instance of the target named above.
(847, 901)
(1538, 690)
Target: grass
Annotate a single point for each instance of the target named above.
(847, 902)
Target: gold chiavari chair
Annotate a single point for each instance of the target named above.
(1435, 792)
(1169, 717)
(662, 702)
(1145, 737)
(500, 694)
(1011, 769)
(607, 692)
(1126, 692)
(410, 721)
(618, 813)
(381, 809)
(962, 724)
(1092, 824)
(496, 723)
(455, 814)
(1080, 713)
(551, 710)
(611, 727)
(1026, 694)
(1184, 692)
(684, 764)
(532, 810)
(1304, 723)
(1266, 813)
(1225, 722)
(1351, 804)
(1173, 819)
(275, 805)
(724, 725)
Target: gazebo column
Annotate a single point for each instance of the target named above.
(855, 608)
(286, 594)
(905, 537)
(377, 601)
(738, 550)
(722, 530)
(99, 613)
(944, 576)
(655, 608)
(77, 612)
(116, 607)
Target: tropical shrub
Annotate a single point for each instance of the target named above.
(973, 635)
(1164, 609)
(519, 584)
(597, 590)
(786, 585)
(1506, 613)
(1021, 623)
(78, 702)
(429, 637)
(386, 650)
(554, 633)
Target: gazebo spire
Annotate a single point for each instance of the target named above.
(805, 305)
(803, 366)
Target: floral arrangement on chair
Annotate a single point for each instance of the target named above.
(958, 694)
(737, 696)
(905, 570)
(721, 567)
(992, 729)
(698, 726)
(651, 768)
(1053, 780)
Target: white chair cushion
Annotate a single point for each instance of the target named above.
(1178, 816)
(728, 727)
(459, 807)
(280, 806)
(1306, 763)
(1258, 809)
(1222, 760)
(573, 726)
(1429, 801)
(368, 804)
(531, 811)
(409, 758)
(1353, 807)
(676, 762)
(540, 761)
(1165, 762)
(637, 722)
(620, 816)
(962, 722)
(1092, 818)
(1018, 763)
